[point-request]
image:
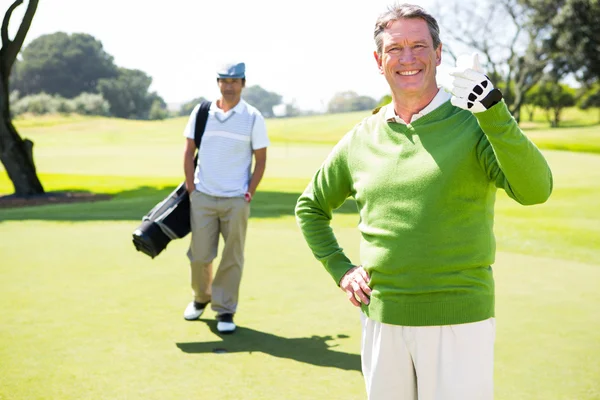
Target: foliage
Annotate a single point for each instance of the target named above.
(590, 97)
(187, 108)
(387, 99)
(71, 65)
(89, 104)
(158, 110)
(350, 101)
(128, 94)
(515, 59)
(553, 98)
(281, 110)
(43, 103)
(38, 104)
(528, 40)
(62, 64)
(530, 101)
(262, 99)
(68, 106)
(572, 34)
(292, 110)
(13, 97)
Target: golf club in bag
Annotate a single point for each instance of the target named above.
(170, 219)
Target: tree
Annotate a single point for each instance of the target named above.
(128, 94)
(262, 99)
(158, 110)
(502, 32)
(350, 101)
(591, 98)
(531, 99)
(63, 64)
(387, 99)
(16, 153)
(187, 108)
(571, 34)
(554, 97)
(88, 104)
(292, 109)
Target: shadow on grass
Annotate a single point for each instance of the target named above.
(132, 205)
(311, 350)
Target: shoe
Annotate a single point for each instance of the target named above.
(194, 310)
(225, 324)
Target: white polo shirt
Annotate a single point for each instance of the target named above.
(225, 158)
(440, 98)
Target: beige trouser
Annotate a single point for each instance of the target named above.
(452, 362)
(211, 216)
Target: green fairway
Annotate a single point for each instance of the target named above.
(85, 316)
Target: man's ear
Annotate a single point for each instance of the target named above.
(378, 60)
(438, 55)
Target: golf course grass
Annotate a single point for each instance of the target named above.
(85, 316)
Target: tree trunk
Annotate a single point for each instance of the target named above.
(16, 154)
(516, 113)
(557, 112)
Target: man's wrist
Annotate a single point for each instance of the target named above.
(494, 97)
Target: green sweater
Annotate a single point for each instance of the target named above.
(425, 194)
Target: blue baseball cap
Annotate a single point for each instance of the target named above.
(232, 70)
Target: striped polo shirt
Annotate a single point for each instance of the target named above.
(225, 160)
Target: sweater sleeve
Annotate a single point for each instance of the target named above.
(330, 187)
(510, 159)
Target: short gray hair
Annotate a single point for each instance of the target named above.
(408, 11)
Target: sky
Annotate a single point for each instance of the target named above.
(305, 51)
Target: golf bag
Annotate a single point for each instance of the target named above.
(170, 219)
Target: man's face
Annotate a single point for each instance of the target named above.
(231, 88)
(408, 60)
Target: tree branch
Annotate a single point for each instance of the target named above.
(5, 39)
(13, 47)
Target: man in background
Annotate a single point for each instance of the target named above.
(221, 187)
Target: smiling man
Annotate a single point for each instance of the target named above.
(424, 171)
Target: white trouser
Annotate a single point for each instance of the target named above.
(451, 362)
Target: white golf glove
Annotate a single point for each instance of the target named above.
(471, 89)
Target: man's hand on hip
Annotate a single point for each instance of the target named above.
(471, 89)
(356, 285)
